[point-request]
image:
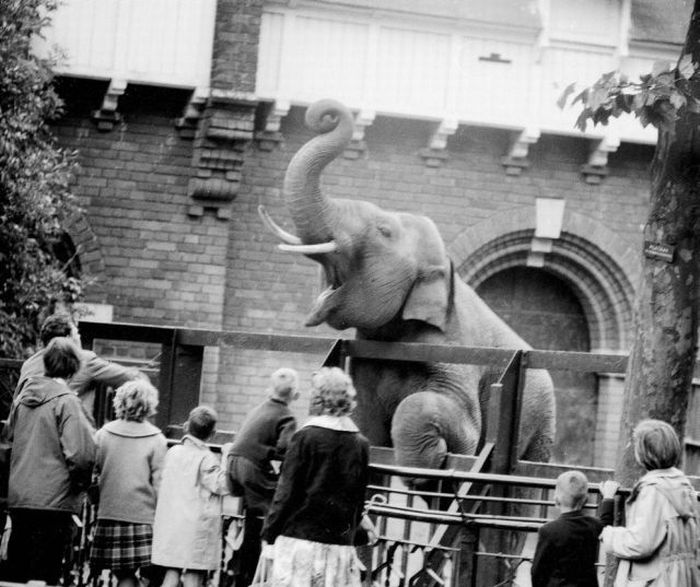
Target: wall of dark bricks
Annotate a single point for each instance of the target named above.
(235, 58)
(160, 266)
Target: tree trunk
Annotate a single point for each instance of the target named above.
(662, 358)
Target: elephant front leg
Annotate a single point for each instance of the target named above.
(428, 425)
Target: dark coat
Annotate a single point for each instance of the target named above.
(567, 550)
(265, 433)
(321, 492)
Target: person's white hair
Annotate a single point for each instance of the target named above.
(284, 382)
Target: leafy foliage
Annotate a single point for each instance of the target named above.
(35, 176)
(655, 99)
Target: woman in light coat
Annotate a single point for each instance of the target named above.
(659, 544)
(130, 453)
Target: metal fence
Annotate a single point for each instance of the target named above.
(470, 526)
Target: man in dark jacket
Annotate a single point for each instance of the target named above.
(262, 439)
(93, 369)
(53, 454)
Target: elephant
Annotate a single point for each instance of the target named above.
(388, 276)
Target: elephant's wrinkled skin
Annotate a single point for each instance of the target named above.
(389, 276)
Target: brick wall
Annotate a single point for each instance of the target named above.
(161, 266)
(235, 58)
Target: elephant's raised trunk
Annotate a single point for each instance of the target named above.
(311, 211)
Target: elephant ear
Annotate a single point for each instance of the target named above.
(429, 298)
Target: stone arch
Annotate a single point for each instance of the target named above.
(596, 274)
(88, 248)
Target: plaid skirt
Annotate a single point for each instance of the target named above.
(121, 545)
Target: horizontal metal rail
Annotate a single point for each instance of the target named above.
(536, 359)
(488, 478)
(436, 517)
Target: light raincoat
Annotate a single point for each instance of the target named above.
(659, 544)
(187, 530)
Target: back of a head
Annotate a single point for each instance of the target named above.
(201, 422)
(332, 392)
(135, 400)
(656, 445)
(60, 324)
(283, 383)
(572, 488)
(61, 358)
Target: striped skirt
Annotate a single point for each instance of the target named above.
(121, 546)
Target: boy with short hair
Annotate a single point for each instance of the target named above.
(567, 548)
(187, 527)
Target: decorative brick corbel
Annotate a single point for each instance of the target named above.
(186, 125)
(516, 160)
(597, 167)
(107, 116)
(436, 152)
(226, 130)
(357, 146)
(272, 114)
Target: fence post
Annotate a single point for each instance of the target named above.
(469, 545)
(503, 419)
(502, 426)
(337, 355)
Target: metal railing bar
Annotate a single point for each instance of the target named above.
(442, 495)
(448, 518)
(416, 543)
(492, 478)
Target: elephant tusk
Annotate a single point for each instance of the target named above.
(329, 247)
(273, 227)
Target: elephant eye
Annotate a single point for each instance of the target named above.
(385, 230)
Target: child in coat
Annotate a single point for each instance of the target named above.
(567, 548)
(130, 453)
(658, 545)
(188, 525)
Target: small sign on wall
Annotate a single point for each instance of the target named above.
(659, 251)
(95, 312)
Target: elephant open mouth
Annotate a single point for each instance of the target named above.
(328, 300)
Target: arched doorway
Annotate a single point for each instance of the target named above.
(546, 312)
(594, 264)
(66, 252)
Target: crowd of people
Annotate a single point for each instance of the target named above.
(159, 510)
